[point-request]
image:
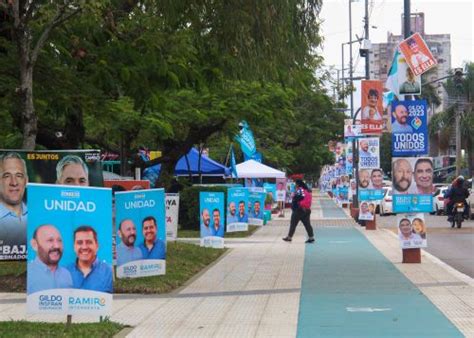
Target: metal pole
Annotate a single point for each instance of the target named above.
(343, 96)
(350, 58)
(406, 18)
(366, 27)
(458, 139)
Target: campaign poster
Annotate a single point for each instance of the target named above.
(409, 83)
(123, 185)
(372, 107)
(412, 184)
(339, 151)
(371, 184)
(237, 214)
(352, 189)
(367, 210)
(409, 128)
(69, 269)
(271, 191)
(417, 54)
(412, 230)
(211, 208)
(18, 167)
(141, 233)
(352, 130)
(171, 215)
(369, 153)
(349, 158)
(255, 207)
(281, 189)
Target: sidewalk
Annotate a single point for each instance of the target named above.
(351, 282)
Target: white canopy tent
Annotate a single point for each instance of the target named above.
(254, 169)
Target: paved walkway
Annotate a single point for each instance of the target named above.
(267, 287)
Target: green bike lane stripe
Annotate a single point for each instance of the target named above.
(350, 289)
(330, 209)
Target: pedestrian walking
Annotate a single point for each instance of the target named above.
(301, 210)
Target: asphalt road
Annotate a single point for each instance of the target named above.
(453, 246)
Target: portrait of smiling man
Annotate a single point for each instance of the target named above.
(126, 250)
(88, 272)
(402, 176)
(13, 211)
(424, 176)
(152, 247)
(71, 170)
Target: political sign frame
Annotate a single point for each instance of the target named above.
(212, 201)
(237, 222)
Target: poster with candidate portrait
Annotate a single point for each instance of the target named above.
(371, 184)
(255, 207)
(171, 215)
(271, 191)
(74, 167)
(412, 230)
(349, 158)
(409, 128)
(352, 130)
(237, 215)
(372, 107)
(69, 268)
(281, 189)
(211, 209)
(409, 83)
(417, 54)
(141, 233)
(412, 184)
(367, 211)
(369, 153)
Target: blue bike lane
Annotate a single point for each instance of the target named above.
(350, 289)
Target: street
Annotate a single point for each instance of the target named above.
(453, 246)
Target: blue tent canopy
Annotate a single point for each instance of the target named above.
(209, 167)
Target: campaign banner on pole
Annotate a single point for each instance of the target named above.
(256, 203)
(417, 54)
(369, 153)
(211, 207)
(412, 231)
(372, 107)
(171, 215)
(281, 189)
(141, 233)
(69, 268)
(237, 215)
(409, 83)
(371, 184)
(74, 167)
(412, 184)
(352, 130)
(349, 158)
(409, 128)
(367, 211)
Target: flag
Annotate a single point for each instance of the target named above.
(392, 77)
(233, 167)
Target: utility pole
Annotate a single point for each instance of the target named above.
(350, 59)
(343, 79)
(406, 18)
(366, 28)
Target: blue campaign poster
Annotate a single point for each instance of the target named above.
(409, 128)
(237, 215)
(141, 233)
(256, 203)
(211, 210)
(69, 236)
(271, 191)
(412, 184)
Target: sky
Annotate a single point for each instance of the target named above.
(441, 17)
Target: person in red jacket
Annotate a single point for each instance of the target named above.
(301, 210)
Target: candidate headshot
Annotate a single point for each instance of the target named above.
(419, 227)
(71, 170)
(402, 176)
(406, 230)
(400, 124)
(364, 148)
(216, 228)
(13, 211)
(370, 111)
(88, 272)
(376, 179)
(126, 250)
(152, 247)
(44, 271)
(364, 209)
(257, 212)
(364, 178)
(424, 176)
(242, 216)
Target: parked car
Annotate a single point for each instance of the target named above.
(438, 198)
(386, 203)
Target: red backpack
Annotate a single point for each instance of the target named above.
(305, 203)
